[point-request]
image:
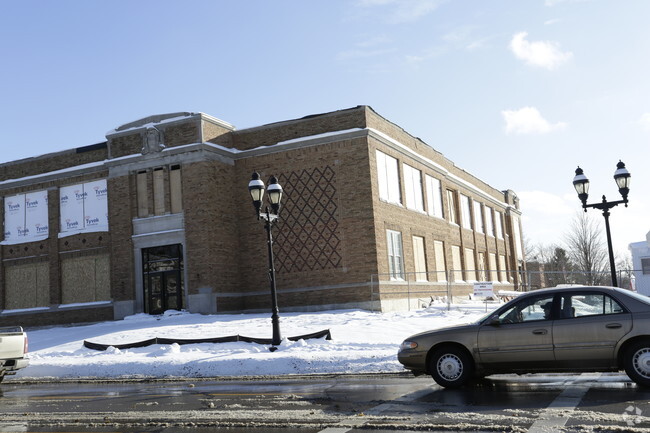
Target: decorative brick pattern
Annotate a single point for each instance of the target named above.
(308, 238)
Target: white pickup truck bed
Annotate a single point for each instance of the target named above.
(13, 350)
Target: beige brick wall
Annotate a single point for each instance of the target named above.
(325, 233)
(121, 210)
(211, 227)
(274, 133)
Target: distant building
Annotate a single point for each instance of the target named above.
(641, 265)
(159, 217)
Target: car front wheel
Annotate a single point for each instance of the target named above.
(451, 367)
(637, 363)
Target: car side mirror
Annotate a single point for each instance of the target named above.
(494, 321)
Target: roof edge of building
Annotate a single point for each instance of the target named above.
(301, 119)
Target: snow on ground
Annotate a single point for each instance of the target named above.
(362, 342)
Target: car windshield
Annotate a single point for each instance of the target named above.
(634, 295)
(491, 313)
(485, 316)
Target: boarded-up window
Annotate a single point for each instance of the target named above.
(493, 267)
(158, 191)
(175, 189)
(441, 268)
(481, 267)
(470, 266)
(502, 269)
(27, 286)
(456, 263)
(420, 259)
(143, 199)
(85, 279)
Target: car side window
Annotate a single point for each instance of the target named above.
(590, 304)
(527, 310)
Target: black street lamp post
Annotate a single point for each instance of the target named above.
(581, 184)
(274, 190)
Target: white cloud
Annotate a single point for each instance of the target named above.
(544, 54)
(528, 120)
(644, 121)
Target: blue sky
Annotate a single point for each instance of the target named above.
(518, 93)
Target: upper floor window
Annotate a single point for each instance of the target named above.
(413, 188)
(388, 178)
(453, 208)
(26, 218)
(160, 191)
(517, 233)
(84, 207)
(478, 218)
(434, 196)
(489, 225)
(465, 212)
(498, 224)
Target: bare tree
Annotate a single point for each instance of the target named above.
(587, 249)
(547, 264)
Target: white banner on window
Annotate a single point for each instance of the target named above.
(36, 221)
(84, 208)
(71, 205)
(96, 206)
(26, 218)
(14, 217)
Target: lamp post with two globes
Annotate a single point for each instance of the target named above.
(581, 184)
(274, 190)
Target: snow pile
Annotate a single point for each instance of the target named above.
(362, 342)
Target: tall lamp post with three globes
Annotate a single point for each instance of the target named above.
(581, 184)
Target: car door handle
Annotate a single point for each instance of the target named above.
(613, 325)
(540, 332)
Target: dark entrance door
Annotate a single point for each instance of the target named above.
(163, 283)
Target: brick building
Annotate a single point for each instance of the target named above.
(158, 217)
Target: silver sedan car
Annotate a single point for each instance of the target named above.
(570, 329)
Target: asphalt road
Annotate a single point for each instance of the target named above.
(330, 404)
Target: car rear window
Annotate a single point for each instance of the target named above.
(635, 295)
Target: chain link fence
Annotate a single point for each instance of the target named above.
(626, 279)
(416, 290)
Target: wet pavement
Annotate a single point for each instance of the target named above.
(330, 404)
